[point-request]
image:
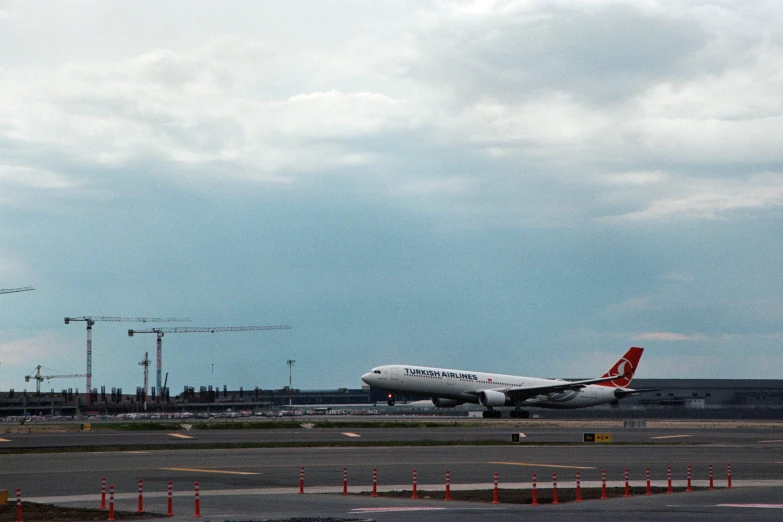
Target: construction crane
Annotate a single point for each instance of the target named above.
(184, 329)
(36, 375)
(146, 364)
(91, 320)
(12, 290)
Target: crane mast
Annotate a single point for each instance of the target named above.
(91, 320)
(160, 332)
(146, 364)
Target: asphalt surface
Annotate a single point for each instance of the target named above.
(263, 483)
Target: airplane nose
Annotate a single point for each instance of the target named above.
(366, 377)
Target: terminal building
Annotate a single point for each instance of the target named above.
(699, 398)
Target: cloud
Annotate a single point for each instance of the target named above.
(712, 198)
(41, 346)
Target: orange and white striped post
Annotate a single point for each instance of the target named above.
(140, 508)
(603, 485)
(712, 482)
(554, 489)
(495, 491)
(689, 488)
(111, 502)
(197, 514)
(103, 493)
(301, 480)
(448, 485)
(374, 482)
(18, 505)
(578, 488)
(345, 481)
(669, 479)
(170, 512)
(649, 488)
(728, 471)
(627, 485)
(535, 500)
(414, 484)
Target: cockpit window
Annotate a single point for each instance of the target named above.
(376, 371)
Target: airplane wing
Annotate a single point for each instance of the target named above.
(526, 392)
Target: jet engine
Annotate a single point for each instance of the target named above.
(445, 403)
(492, 398)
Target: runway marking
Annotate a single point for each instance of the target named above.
(779, 440)
(349, 434)
(220, 471)
(763, 506)
(537, 464)
(4, 440)
(393, 509)
(671, 436)
(180, 436)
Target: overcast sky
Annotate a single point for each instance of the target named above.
(527, 187)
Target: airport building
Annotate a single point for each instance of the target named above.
(702, 398)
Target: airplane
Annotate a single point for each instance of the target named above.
(451, 388)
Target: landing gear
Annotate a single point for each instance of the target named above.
(491, 414)
(390, 402)
(520, 414)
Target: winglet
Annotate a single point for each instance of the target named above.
(623, 369)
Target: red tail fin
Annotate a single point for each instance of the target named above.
(624, 369)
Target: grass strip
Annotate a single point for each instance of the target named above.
(524, 496)
(35, 512)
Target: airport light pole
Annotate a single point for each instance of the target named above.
(290, 363)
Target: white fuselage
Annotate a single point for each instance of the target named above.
(462, 386)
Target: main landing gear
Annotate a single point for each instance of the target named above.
(491, 414)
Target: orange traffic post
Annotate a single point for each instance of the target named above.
(495, 491)
(712, 482)
(18, 505)
(111, 502)
(140, 508)
(578, 488)
(535, 500)
(649, 489)
(345, 481)
(103, 493)
(374, 482)
(170, 512)
(669, 479)
(627, 485)
(448, 485)
(197, 514)
(301, 480)
(414, 485)
(689, 488)
(728, 471)
(554, 488)
(603, 485)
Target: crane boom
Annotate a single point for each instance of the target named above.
(92, 319)
(186, 329)
(206, 329)
(36, 375)
(12, 290)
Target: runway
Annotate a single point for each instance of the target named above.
(263, 482)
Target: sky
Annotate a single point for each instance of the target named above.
(524, 187)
